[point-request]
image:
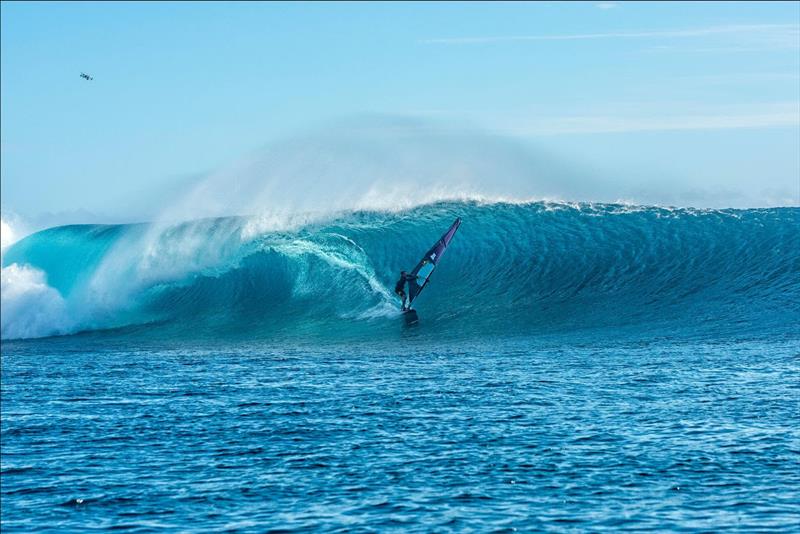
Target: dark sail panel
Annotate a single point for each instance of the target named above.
(425, 267)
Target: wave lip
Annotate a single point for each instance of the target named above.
(514, 268)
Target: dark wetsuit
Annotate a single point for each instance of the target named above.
(399, 287)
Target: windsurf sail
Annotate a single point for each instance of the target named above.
(428, 263)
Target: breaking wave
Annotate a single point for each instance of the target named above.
(513, 269)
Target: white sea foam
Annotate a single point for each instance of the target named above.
(28, 306)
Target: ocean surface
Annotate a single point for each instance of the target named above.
(576, 367)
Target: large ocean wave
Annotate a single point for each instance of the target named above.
(512, 269)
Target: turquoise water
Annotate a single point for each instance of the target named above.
(587, 367)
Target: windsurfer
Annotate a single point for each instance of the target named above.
(399, 287)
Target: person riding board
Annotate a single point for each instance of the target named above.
(399, 288)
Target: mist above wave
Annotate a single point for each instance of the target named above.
(381, 163)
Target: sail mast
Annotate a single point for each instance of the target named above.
(428, 263)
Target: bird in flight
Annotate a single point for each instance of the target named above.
(86, 76)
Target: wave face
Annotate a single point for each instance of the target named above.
(512, 269)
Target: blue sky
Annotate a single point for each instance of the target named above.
(676, 103)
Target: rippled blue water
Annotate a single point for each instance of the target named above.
(524, 433)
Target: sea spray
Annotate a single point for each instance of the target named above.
(28, 306)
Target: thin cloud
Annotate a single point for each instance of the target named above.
(606, 5)
(782, 31)
(739, 77)
(763, 47)
(789, 115)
